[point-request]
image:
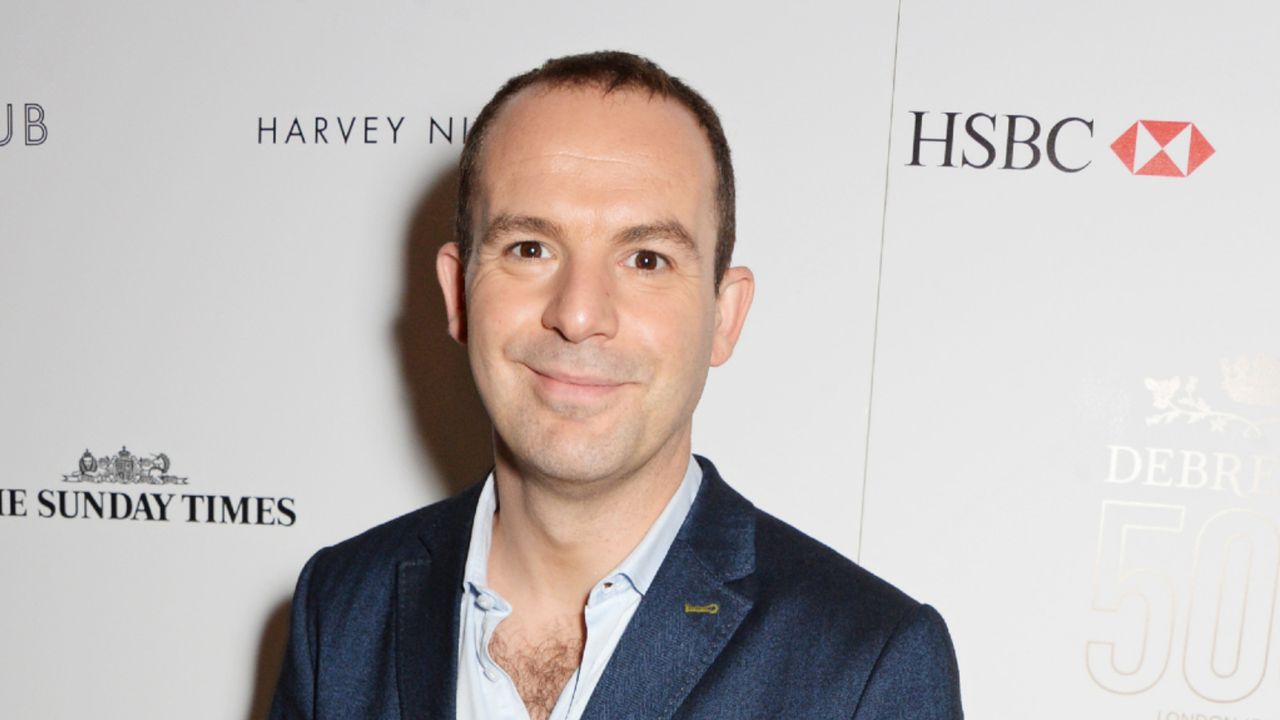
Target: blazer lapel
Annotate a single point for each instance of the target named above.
(428, 593)
(698, 599)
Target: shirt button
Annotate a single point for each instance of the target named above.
(489, 675)
(484, 602)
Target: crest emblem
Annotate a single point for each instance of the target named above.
(126, 468)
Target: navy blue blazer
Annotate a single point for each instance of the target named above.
(800, 631)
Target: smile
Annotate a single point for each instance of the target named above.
(560, 385)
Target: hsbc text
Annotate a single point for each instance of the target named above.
(1010, 142)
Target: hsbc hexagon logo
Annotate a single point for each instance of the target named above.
(1162, 147)
(989, 140)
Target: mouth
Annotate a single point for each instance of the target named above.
(567, 385)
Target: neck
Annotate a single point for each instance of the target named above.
(554, 539)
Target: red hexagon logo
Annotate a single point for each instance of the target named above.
(1162, 147)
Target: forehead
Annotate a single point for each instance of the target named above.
(546, 135)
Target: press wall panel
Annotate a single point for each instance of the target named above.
(217, 236)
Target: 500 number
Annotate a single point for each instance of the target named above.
(1230, 606)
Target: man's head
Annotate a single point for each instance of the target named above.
(607, 72)
(590, 294)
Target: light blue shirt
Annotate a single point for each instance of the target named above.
(485, 691)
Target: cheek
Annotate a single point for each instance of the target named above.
(494, 314)
(497, 304)
(677, 335)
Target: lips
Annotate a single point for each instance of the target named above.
(562, 384)
(576, 378)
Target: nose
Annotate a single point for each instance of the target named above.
(582, 303)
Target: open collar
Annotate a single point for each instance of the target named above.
(699, 597)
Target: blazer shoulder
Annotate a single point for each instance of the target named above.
(807, 572)
(371, 558)
(795, 576)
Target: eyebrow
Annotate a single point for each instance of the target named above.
(671, 230)
(668, 230)
(507, 224)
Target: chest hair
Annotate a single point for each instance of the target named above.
(539, 668)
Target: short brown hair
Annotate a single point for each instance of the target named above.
(609, 71)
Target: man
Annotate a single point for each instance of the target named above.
(601, 571)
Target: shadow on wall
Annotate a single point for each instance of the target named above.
(452, 427)
(270, 654)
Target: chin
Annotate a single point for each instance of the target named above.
(578, 462)
(571, 455)
(579, 471)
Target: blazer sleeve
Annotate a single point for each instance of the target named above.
(295, 690)
(916, 676)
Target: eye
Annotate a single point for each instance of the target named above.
(647, 260)
(529, 250)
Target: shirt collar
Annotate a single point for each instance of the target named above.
(476, 572)
(642, 564)
(639, 567)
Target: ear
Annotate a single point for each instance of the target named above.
(737, 288)
(452, 274)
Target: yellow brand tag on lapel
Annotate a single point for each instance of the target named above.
(710, 609)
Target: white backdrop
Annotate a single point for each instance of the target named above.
(1039, 464)
(265, 314)
(1100, 530)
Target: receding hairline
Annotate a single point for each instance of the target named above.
(543, 89)
(605, 91)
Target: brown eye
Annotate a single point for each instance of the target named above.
(528, 250)
(647, 260)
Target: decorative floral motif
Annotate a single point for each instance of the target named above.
(1162, 391)
(1191, 407)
